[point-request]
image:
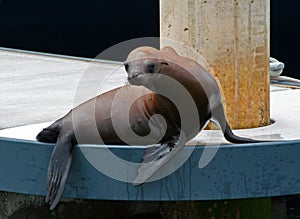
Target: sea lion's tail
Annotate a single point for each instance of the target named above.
(49, 134)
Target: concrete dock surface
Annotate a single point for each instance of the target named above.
(37, 89)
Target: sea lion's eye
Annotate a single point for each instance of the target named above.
(164, 63)
(151, 67)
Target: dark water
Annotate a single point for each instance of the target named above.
(285, 35)
(78, 28)
(86, 28)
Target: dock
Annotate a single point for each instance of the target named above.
(38, 88)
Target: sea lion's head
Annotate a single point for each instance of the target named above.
(144, 66)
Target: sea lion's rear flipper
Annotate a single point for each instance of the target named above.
(58, 170)
(231, 137)
(219, 119)
(155, 157)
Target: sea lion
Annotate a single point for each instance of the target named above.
(152, 76)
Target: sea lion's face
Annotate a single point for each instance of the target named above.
(144, 72)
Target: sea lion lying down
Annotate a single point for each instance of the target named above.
(161, 82)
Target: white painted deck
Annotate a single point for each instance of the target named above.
(36, 89)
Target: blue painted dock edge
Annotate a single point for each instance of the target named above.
(237, 171)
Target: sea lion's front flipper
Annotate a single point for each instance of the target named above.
(155, 152)
(58, 170)
(157, 156)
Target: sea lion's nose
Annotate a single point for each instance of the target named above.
(132, 75)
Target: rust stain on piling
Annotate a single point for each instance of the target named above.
(233, 37)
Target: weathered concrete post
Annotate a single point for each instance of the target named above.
(233, 37)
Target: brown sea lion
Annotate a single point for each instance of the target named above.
(161, 83)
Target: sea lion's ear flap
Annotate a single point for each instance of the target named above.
(126, 65)
(164, 63)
